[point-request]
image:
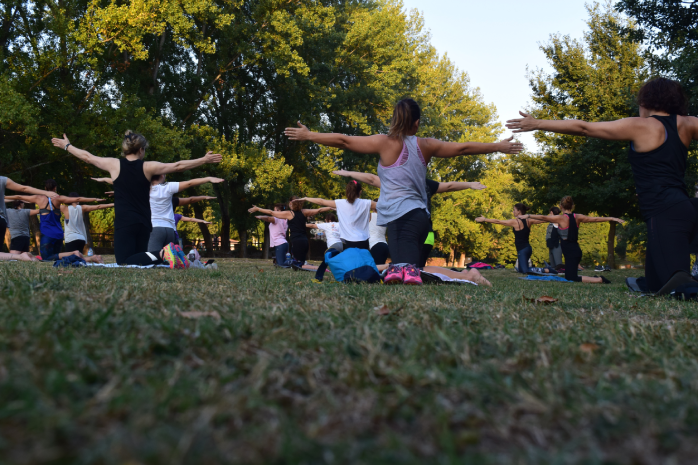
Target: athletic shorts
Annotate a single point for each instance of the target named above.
(20, 243)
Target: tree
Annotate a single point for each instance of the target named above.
(594, 81)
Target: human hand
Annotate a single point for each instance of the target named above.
(477, 186)
(341, 172)
(214, 181)
(618, 220)
(110, 193)
(254, 209)
(213, 157)
(510, 146)
(60, 143)
(300, 133)
(480, 219)
(207, 222)
(525, 124)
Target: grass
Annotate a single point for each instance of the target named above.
(101, 366)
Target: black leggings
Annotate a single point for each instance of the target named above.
(669, 237)
(380, 253)
(144, 259)
(573, 255)
(300, 249)
(129, 241)
(424, 256)
(72, 246)
(3, 229)
(406, 236)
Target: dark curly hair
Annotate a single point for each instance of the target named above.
(662, 94)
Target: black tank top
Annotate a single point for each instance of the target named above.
(572, 230)
(659, 174)
(521, 236)
(131, 195)
(297, 226)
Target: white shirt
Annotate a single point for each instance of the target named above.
(331, 232)
(376, 233)
(353, 219)
(161, 211)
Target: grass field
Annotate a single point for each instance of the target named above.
(116, 366)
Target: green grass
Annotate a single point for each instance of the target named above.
(99, 366)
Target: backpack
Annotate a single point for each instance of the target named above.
(554, 240)
(352, 265)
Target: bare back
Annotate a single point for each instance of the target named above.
(648, 133)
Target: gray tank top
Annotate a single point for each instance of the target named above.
(403, 184)
(75, 226)
(3, 184)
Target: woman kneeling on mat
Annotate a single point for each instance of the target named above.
(659, 141)
(522, 232)
(568, 228)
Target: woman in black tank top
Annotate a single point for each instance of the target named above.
(297, 219)
(659, 141)
(522, 232)
(132, 175)
(568, 228)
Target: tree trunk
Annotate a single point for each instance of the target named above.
(461, 260)
(611, 260)
(8, 238)
(199, 213)
(225, 219)
(452, 256)
(242, 246)
(265, 249)
(36, 232)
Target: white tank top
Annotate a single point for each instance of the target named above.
(75, 225)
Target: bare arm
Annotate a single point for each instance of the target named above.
(358, 144)
(267, 219)
(34, 212)
(190, 200)
(281, 215)
(152, 168)
(317, 201)
(26, 198)
(193, 220)
(366, 178)
(107, 180)
(622, 129)
(312, 212)
(311, 226)
(89, 208)
(459, 186)
(13, 186)
(103, 163)
(436, 148)
(597, 219)
(197, 182)
(482, 219)
(545, 218)
(68, 200)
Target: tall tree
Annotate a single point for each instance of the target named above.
(593, 80)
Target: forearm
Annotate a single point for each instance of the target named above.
(184, 165)
(572, 127)
(481, 148)
(330, 139)
(366, 178)
(325, 209)
(318, 201)
(192, 183)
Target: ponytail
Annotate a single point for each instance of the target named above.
(522, 208)
(353, 191)
(133, 143)
(405, 114)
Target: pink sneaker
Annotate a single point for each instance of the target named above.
(394, 275)
(412, 276)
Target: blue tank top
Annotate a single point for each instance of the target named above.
(50, 225)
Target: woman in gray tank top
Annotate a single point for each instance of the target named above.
(403, 160)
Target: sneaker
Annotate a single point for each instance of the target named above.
(607, 268)
(170, 255)
(395, 274)
(182, 257)
(316, 281)
(598, 268)
(412, 276)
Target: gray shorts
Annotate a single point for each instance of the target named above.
(159, 238)
(337, 245)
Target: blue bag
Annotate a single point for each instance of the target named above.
(352, 265)
(70, 260)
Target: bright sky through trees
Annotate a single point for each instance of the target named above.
(495, 41)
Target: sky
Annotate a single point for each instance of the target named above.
(494, 41)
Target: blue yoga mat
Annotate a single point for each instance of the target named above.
(546, 278)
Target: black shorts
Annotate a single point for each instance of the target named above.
(20, 244)
(72, 246)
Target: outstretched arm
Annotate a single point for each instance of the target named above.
(318, 201)
(267, 219)
(194, 220)
(482, 219)
(358, 144)
(13, 186)
(622, 129)
(436, 148)
(598, 219)
(152, 168)
(308, 212)
(189, 200)
(281, 215)
(26, 198)
(197, 182)
(103, 163)
(459, 186)
(34, 212)
(545, 218)
(68, 200)
(366, 178)
(89, 208)
(107, 180)
(311, 226)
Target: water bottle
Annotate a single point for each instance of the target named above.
(288, 258)
(90, 252)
